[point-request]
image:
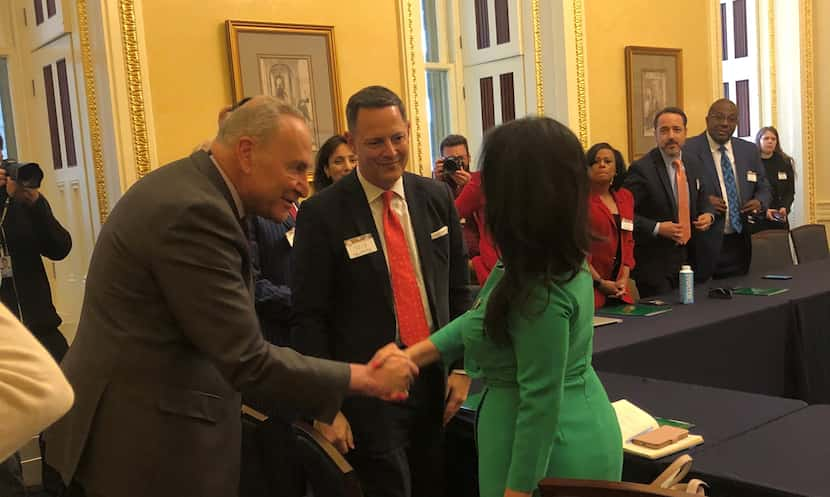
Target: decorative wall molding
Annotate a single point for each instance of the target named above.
(537, 57)
(823, 211)
(409, 19)
(135, 88)
(808, 105)
(94, 123)
(773, 89)
(581, 83)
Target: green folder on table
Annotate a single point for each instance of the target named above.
(764, 292)
(634, 310)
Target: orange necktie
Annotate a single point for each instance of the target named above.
(409, 308)
(683, 216)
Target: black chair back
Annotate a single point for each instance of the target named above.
(810, 243)
(770, 251)
(327, 471)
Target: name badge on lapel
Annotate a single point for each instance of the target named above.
(697, 184)
(627, 224)
(360, 246)
(289, 236)
(751, 177)
(782, 175)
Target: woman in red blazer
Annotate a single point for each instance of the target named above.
(470, 206)
(611, 213)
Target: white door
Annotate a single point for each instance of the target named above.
(494, 84)
(58, 147)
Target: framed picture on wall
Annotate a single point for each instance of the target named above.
(653, 80)
(295, 63)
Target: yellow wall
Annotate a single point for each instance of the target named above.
(188, 58)
(611, 25)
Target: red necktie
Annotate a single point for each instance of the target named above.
(293, 211)
(409, 308)
(682, 200)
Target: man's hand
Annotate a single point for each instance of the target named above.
(338, 433)
(461, 177)
(26, 196)
(670, 230)
(753, 206)
(718, 203)
(2, 177)
(704, 221)
(438, 170)
(622, 286)
(458, 386)
(390, 373)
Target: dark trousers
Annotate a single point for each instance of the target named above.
(269, 464)
(416, 470)
(11, 477)
(53, 341)
(733, 259)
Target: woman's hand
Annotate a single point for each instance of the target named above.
(609, 288)
(509, 492)
(622, 286)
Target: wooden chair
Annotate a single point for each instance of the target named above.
(770, 251)
(561, 487)
(810, 243)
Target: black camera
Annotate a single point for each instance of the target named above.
(25, 174)
(453, 164)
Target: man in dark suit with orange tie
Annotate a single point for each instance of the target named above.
(733, 169)
(669, 199)
(379, 257)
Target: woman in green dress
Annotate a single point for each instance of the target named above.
(544, 412)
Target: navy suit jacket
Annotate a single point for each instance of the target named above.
(659, 258)
(747, 158)
(344, 307)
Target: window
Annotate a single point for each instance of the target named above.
(442, 66)
(741, 62)
(6, 122)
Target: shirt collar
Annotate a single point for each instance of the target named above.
(373, 191)
(715, 146)
(668, 160)
(234, 194)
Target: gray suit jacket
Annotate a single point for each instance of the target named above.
(167, 340)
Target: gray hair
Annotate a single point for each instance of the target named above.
(259, 118)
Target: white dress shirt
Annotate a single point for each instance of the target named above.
(374, 196)
(714, 147)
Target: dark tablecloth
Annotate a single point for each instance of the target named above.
(787, 457)
(774, 345)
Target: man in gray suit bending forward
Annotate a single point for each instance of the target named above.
(168, 336)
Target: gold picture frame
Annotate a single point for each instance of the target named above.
(653, 81)
(296, 63)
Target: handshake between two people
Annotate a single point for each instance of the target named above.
(387, 375)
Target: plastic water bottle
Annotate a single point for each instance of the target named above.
(687, 285)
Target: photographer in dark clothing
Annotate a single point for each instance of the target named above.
(29, 230)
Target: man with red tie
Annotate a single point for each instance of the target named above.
(379, 257)
(669, 201)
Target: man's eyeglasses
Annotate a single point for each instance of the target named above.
(731, 119)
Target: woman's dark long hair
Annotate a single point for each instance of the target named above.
(619, 177)
(778, 150)
(320, 179)
(536, 185)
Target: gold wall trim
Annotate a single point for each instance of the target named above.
(92, 112)
(773, 83)
(537, 57)
(412, 85)
(808, 105)
(581, 91)
(135, 92)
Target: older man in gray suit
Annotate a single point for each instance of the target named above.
(168, 336)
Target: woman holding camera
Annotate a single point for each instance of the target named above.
(544, 412)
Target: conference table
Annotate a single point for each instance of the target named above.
(772, 345)
(718, 415)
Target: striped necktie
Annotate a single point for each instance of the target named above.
(731, 191)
